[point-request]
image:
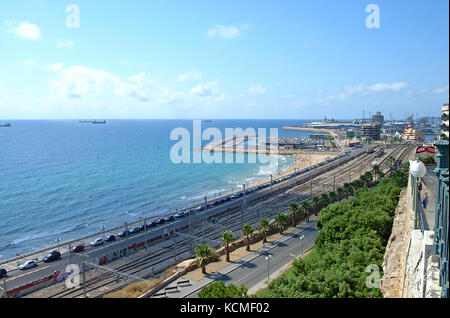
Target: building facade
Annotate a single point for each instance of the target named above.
(371, 130)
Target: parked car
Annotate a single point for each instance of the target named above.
(3, 272)
(123, 233)
(28, 264)
(110, 238)
(179, 215)
(97, 242)
(142, 227)
(53, 256)
(200, 208)
(169, 218)
(160, 221)
(151, 224)
(135, 229)
(187, 212)
(77, 248)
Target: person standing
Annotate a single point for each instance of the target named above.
(425, 201)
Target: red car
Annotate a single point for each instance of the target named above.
(77, 248)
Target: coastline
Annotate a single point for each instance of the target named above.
(318, 130)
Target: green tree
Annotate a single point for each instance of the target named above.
(227, 238)
(202, 253)
(340, 193)
(219, 290)
(305, 209)
(280, 222)
(247, 230)
(293, 209)
(324, 200)
(315, 205)
(333, 196)
(264, 228)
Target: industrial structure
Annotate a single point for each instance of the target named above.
(371, 131)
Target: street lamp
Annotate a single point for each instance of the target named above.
(417, 170)
(268, 262)
(301, 239)
(58, 239)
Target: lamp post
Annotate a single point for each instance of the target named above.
(301, 239)
(268, 266)
(417, 170)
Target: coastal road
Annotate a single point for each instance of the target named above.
(255, 273)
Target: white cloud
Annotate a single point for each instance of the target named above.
(189, 76)
(287, 96)
(24, 29)
(80, 81)
(227, 32)
(204, 90)
(57, 67)
(388, 86)
(67, 44)
(257, 89)
(441, 90)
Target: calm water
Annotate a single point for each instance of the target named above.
(64, 179)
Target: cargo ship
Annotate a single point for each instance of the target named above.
(5, 125)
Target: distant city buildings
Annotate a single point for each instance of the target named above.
(371, 131)
(412, 135)
(378, 118)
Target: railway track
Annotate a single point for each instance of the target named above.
(163, 252)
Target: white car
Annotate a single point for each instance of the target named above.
(28, 264)
(97, 242)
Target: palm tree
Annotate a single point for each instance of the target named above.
(293, 209)
(247, 230)
(264, 228)
(340, 193)
(315, 205)
(333, 196)
(305, 209)
(227, 238)
(202, 253)
(348, 189)
(368, 177)
(324, 200)
(378, 172)
(280, 222)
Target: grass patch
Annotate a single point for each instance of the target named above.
(134, 290)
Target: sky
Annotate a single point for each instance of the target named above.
(223, 59)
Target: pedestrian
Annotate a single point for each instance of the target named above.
(419, 186)
(425, 201)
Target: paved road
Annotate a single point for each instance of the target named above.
(252, 270)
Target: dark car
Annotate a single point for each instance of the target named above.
(3, 272)
(110, 238)
(135, 229)
(151, 224)
(160, 221)
(53, 256)
(169, 218)
(188, 212)
(123, 233)
(77, 248)
(142, 227)
(179, 215)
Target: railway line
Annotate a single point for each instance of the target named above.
(165, 254)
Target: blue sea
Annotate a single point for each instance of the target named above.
(64, 179)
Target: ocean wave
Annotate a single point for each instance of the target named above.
(35, 236)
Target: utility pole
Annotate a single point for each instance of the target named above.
(310, 181)
(126, 229)
(243, 208)
(349, 175)
(191, 243)
(84, 276)
(334, 182)
(360, 170)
